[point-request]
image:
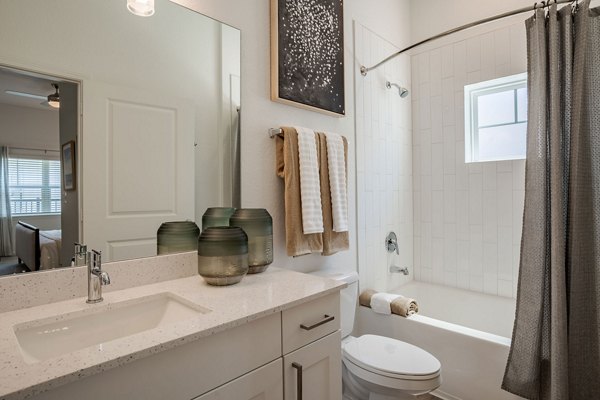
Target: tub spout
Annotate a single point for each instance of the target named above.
(403, 270)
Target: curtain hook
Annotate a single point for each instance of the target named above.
(534, 13)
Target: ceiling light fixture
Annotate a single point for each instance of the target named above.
(142, 8)
(54, 98)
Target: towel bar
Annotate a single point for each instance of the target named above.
(275, 132)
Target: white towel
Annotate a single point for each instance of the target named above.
(381, 302)
(310, 184)
(336, 162)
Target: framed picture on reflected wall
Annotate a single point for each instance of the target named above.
(307, 54)
(68, 165)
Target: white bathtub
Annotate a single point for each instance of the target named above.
(468, 332)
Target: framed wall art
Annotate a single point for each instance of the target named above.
(307, 54)
(68, 165)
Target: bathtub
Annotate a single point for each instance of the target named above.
(468, 332)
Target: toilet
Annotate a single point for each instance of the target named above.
(377, 367)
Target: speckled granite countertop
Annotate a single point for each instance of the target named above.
(256, 296)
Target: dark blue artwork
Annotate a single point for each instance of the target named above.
(310, 53)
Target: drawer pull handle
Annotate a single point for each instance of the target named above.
(298, 380)
(326, 319)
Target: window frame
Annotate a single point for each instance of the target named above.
(471, 94)
(45, 187)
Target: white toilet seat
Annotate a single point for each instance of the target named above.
(392, 364)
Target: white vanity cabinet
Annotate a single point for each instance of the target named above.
(183, 372)
(260, 359)
(312, 364)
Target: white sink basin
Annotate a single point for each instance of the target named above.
(51, 337)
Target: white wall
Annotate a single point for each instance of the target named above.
(467, 216)
(260, 186)
(383, 163)
(208, 138)
(28, 128)
(230, 102)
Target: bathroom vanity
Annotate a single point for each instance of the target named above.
(274, 335)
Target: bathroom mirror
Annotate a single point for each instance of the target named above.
(151, 105)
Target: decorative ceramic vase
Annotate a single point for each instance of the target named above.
(177, 237)
(216, 216)
(258, 225)
(222, 255)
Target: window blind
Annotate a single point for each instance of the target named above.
(34, 186)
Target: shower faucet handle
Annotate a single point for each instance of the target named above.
(391, 243)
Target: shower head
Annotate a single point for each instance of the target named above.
(402, 91)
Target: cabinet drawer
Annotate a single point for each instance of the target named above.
(310, 321)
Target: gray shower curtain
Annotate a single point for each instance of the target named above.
(555, 351)
(6, 237)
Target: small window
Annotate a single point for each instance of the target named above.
(34, 186)
(496, 119)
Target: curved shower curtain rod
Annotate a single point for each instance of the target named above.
(364, 70)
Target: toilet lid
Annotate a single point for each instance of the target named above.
(381, 354)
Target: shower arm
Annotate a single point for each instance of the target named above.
(402, 91)
(390, 84)
(364, 70)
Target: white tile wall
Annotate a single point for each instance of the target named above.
(384, 158)
(467, 217)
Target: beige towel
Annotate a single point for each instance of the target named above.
(403, 306)
(332, 241)
(365, 297)
(287, 164)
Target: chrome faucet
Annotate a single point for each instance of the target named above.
(96, 277)
(391, 243)
(394, 269)
(80, 255)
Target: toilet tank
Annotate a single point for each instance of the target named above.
(348, 296)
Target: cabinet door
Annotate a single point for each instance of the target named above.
(319, 368)
(264, 383)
